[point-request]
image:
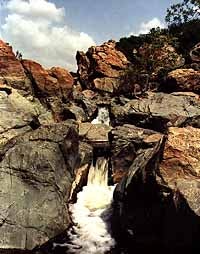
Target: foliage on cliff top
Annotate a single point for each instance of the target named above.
(183, 12)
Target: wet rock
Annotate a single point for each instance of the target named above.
(126, 140)
(81, 173)
(184, 80)
(159, 110)
(94, 133)
(11, 70)
(195, 53)
(36, 173)
(153, 214)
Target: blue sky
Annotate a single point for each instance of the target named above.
(52, 31)
(104, 19)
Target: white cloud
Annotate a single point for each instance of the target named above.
(145, 27)
(35, 27)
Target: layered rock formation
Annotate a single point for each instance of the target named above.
(101, 67)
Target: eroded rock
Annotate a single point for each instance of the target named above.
(158, 111)
(11, 70)
(36, 173)
(104, 64)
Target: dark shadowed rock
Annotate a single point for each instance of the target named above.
(151, 214)
(126, 140)
(195, 53)
(161, 55)
(36, 173)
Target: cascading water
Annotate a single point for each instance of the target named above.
(102, 117)
(93, 207)
(91, 213)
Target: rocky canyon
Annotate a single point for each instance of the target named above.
(49, 138)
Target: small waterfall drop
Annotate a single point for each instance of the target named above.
(91, 212)
(102, 117)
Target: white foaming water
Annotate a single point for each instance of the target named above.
(91, 213)
(102, 117)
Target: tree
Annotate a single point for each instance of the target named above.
(183, 12)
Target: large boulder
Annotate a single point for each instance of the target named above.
(53, 87)
(125, 142)
(64, 79)
(36, 173)
(104, 61)
(55, 82)
(19, 115)
(181, 166)
(11, 70)
(94, 133)
(155, 210)
(158, 111)
(184, 80)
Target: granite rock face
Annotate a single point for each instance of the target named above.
(55, 82)
(180, 165)
(36, 173)
(48, 142)
(159, 111)
(102, 64)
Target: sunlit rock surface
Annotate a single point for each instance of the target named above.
(11, 70)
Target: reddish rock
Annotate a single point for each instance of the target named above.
(55, 82)
(180, 167)
(108, 61)
(195, 53)
(185, 80)
(104, 61)
(11, 69)
(63, 77)
(182, 152)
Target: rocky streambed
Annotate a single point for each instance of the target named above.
(49, 139)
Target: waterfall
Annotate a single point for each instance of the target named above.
(102, 117)
(91, 212)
